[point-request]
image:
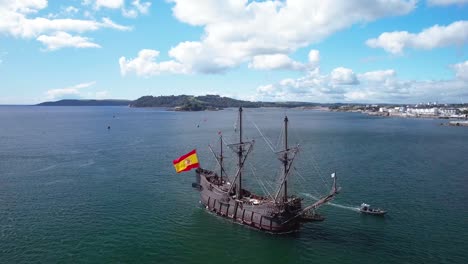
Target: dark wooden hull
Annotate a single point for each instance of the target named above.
(264, 216)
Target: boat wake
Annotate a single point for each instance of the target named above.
(347, 207)
(46, 168)
(86, 164)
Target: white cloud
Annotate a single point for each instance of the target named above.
(267, 89)
(130, 13)
(61, 93)
(71, 10)
(461, 70)
(314, 58)
(113, 4)
(343, 76)
(68, 11)
(275, 61)
(108, 23)
(24, 6)
(197, 56)
(377, 76)
(142, 7)
(446, 2)
(63, 40)
(145, 65)
(373, 86)
(455, 34)
(18, 21)
(28, 28)
(136, 6)
(236, 31)
(283, 62)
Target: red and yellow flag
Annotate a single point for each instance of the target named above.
(186, 162)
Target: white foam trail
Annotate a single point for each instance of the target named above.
(89, 163)
(347, 207)
(352, 208)
(46, 168)
(58, 181)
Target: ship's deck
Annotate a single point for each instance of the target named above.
(247, 196)
(223, 185)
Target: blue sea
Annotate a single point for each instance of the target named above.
(74, 191)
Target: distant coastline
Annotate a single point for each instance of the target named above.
(215, 102)
(457, 112)
(77, 102)
(181, 103)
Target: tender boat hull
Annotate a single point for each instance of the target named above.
(373, 212)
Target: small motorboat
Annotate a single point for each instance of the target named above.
(366, 209)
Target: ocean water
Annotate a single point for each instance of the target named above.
(73, 191)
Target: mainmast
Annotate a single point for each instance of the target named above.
(240, 154)
(285, 160)
(221, 157)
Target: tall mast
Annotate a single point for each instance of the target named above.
(239, 154)
(242, 153)
(287, 163)
(285, 159)
(221, 157)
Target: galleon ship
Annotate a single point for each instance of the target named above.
(226, 196)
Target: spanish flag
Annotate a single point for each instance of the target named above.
(186, 162)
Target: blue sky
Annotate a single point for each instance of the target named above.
(401, 51)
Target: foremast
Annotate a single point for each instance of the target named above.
(220, 158)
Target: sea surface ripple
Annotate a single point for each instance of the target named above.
(73, 191)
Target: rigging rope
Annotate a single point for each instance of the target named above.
(280, 139)
(318, 170)
(267, 185)
(270, 145)
(260, 182)
(314, 162)
(300, 175)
